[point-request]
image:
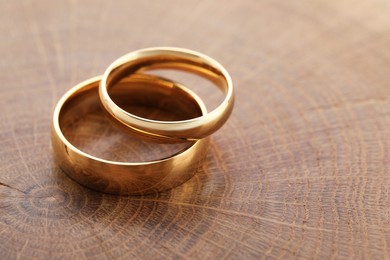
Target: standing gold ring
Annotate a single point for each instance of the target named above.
(168, 58)
(124, 177)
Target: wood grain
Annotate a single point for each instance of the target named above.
(301, 169)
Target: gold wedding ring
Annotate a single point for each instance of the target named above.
(123, 177)
(168, 58)
(111, 92)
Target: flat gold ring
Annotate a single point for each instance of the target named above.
(124, 178)
(169, 58)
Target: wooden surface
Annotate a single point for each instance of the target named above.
(301, 169)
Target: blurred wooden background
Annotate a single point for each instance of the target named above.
(301, 169)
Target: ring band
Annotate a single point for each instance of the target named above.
(168, 58)
(123, 177)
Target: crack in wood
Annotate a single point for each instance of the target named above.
(9, 186)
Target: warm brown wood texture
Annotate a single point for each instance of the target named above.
(301, 169)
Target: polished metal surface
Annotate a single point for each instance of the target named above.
(168, 58)
(122, 177)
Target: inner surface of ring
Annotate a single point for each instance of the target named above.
(83, 122)
(198, 67)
